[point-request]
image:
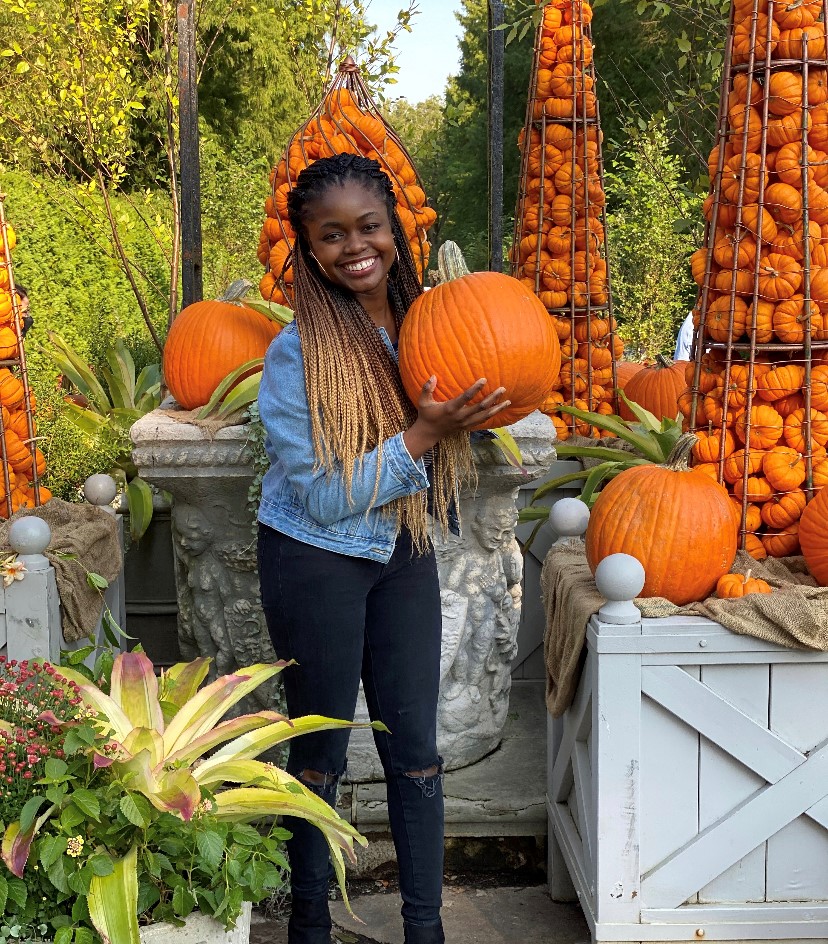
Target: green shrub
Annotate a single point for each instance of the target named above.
(653, 227)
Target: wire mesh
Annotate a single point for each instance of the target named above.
(560, 238)
(346, 120)
(22, 461)
(758, 383)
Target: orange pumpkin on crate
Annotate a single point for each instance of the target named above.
(346, 121)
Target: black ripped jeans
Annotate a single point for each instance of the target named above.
(345, 618)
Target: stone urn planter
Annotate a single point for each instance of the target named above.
(199, 929)
(209, 472)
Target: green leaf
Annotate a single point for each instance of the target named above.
(77, 372)
(64, 935)
(506, 441)
(281, 314)
(50, 849)
(241, 396)
(211, 847)
(101, 864)
(57, 875)
(29, 812)
(113, 902)
(246, 835)
(16, 890)
(139, 499)
(87, 421)
(76, 656)
(182, 901)
(122, 365)
(227, 384)
(596, 477)
(87, 802)
(84, 936)
(55, 769)
(4, 894)
(130, 809)
(148, 384)
(119, 393)
(96, 581)
(615, 424)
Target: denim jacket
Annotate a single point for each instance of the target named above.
(306, 502)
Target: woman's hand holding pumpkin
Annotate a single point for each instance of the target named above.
(436, 420)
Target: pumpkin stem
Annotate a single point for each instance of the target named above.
(450, 263)
(679, 458)
(663, 361)
(236, 291)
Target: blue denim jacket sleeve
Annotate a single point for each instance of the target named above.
(283, 406)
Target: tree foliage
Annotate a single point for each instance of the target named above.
(651, 237)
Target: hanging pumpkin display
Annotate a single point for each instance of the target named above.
(761, 354)
(481, 324)
(22, 464)
(560, 241)
(209, 340)
(345, 121)
(676, 521)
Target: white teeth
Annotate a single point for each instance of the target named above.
(359, 266)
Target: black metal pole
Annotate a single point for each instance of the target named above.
(192, 289)
(496, 50)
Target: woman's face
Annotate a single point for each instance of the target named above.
(349, 232)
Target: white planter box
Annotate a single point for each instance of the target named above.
(199, 929)
(688, 786)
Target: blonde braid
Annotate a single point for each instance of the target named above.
(350, 375)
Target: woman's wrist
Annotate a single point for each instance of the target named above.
(418, 439)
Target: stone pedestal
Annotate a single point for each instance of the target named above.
(209, 473)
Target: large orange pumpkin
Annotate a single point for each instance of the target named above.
(813, 536)
(481, 324)
(656, 388)
(676, 521)
(206, 342)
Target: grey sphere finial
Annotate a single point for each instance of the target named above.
(29, 535)
(620, 579)
(569, 518)
(100, 489)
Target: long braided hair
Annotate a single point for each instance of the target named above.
(353, 383)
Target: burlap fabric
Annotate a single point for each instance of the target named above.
(91, 535)
(795, 615)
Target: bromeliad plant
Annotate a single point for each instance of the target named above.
(652, 440)
(125, 821)
(107, 408)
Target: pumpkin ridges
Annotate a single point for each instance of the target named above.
(642, 512)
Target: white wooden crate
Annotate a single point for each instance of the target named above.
(688, 786)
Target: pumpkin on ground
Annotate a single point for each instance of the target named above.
(677, 522)
(731, 586)
(481, 324)
(657, 388)
(207, 341)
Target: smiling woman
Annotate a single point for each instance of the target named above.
(348, 573)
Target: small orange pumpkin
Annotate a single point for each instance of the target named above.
(732, 586)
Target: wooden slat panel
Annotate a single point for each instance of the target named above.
(669, 783)
(797, 866)
(724, 783)
(751, 824)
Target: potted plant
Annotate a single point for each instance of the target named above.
(113, 815)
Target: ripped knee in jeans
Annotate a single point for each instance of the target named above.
(322, 783)
(428, 779)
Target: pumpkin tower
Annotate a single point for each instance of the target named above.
(560, 247)
(757, 393)
(22, 464)
(346, 121)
